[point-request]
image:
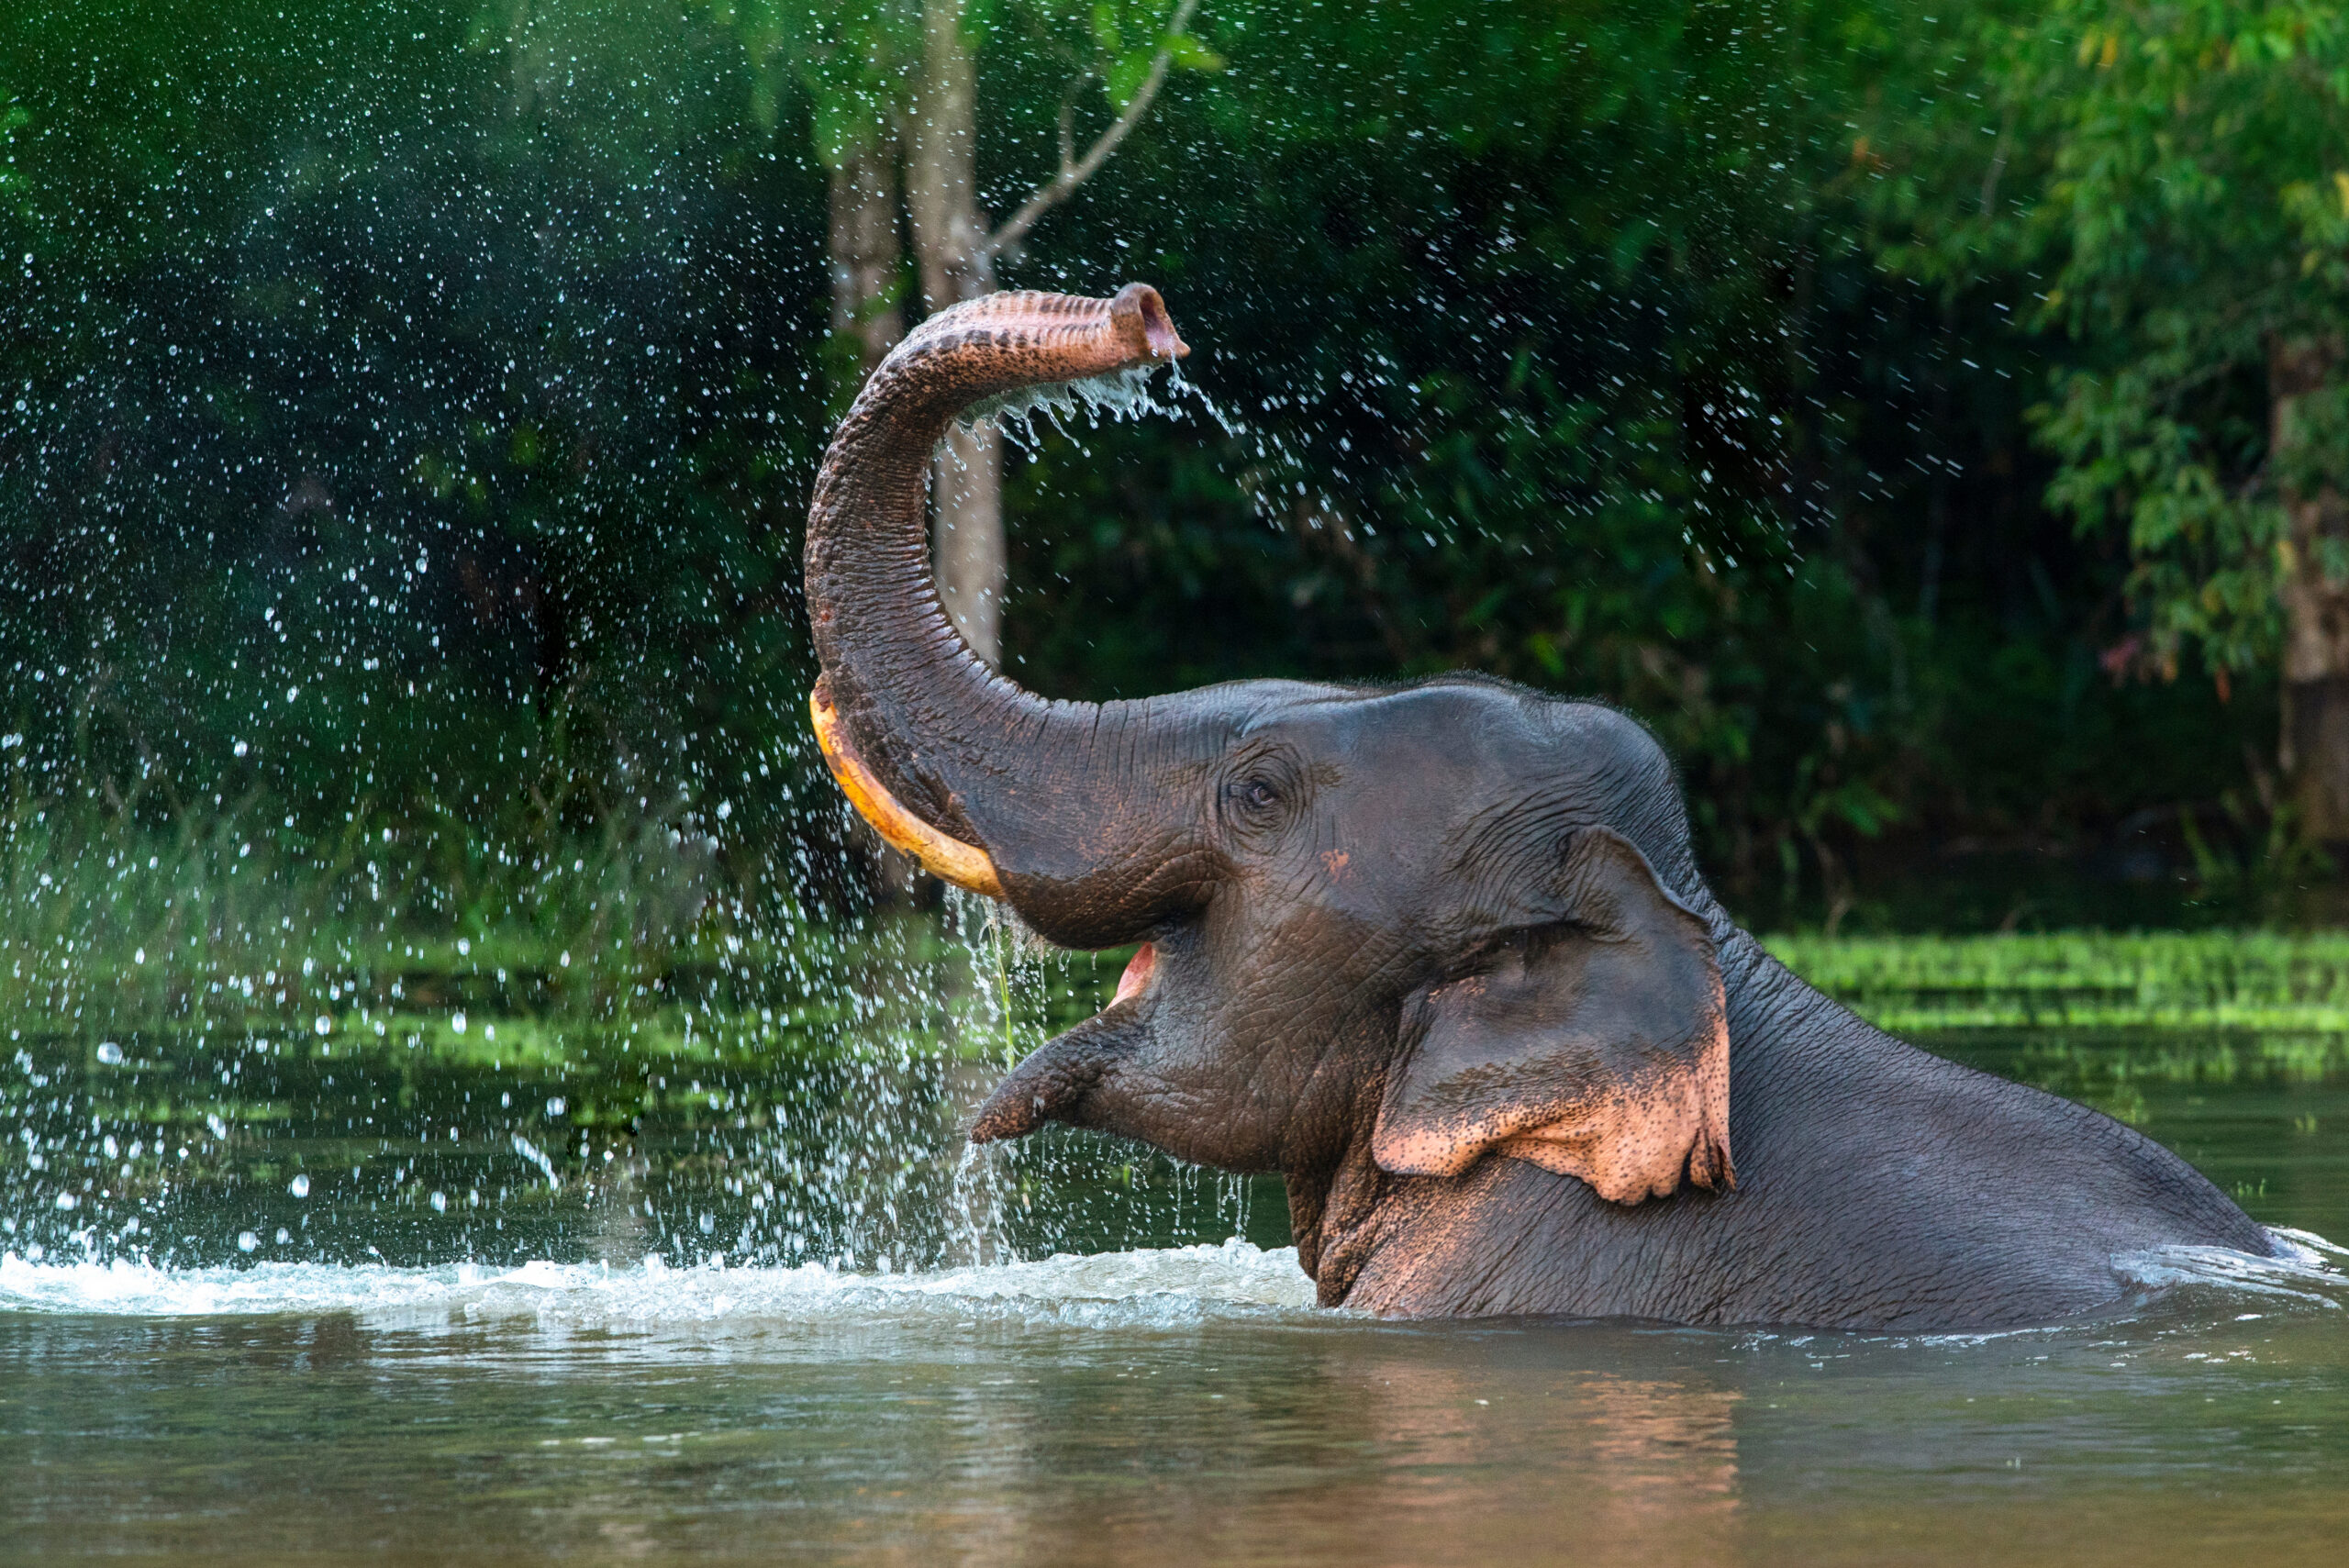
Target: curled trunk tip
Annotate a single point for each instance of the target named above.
(987, 784)
(1140, 303)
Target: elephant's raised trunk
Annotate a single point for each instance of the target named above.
(989, 786)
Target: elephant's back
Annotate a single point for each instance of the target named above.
(1926, 1192)
(1878, 1187)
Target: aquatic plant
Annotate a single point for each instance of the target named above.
(2170, 980)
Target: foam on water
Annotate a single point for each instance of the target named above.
(2304, 1267)
(1161, 1288)
(1164, 1287)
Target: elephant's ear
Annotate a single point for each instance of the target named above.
(1597, 1048)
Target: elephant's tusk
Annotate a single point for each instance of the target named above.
(965, 865)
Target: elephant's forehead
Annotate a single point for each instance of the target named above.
(1462, 733)
(1476, 781)
(1451, 777)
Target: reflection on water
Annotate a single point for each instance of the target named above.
(1145, 1408)
(718, 1278)
(763, 1134)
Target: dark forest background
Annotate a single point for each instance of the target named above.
(406, 412)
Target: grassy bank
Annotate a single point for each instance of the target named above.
(2203, 980)
(431, 939)
(242, 929)
(600, 1049)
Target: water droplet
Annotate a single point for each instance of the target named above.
(457, 1022)
(247, 1240)
(299, 1186)
(110, 1053)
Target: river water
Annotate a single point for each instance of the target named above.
(592, 1388)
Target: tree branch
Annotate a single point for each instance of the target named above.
(1073, 174)
(1068, 121)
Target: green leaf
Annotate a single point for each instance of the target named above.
(1188, 53)
(1104, 27)
(1126, 78)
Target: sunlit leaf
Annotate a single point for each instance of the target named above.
(1188, 53)
(1125, 78)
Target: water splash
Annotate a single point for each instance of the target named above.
(975, 1206)
(1127, 394)
(2305, 1268)
(1167, 1287)
(1120, 394)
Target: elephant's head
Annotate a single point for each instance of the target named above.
(1433, 921)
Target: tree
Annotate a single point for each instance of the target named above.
(469, 383)
(893, 87)
(2192, 217)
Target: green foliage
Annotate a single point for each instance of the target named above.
(854, 65)
(319, 492)
(417, 407)
(1518, 400)
(2206, 979)
(851, 63)
(2182, 191)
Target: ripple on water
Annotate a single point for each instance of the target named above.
(2305, 1268)
(1167, 1287)
(1159, 1287)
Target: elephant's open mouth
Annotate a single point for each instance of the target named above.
(1055, 1082)
(1136, 977)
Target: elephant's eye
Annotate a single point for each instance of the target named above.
(1260, 794)
(1254, 803)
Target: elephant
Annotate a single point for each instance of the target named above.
(1438, 953)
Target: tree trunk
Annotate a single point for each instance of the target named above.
(2315, 745)
(867, 260)
(951, 245)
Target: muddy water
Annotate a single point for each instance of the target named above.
(1162, 1407)
(1171, 1404)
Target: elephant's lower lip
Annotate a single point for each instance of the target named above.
(1136, 979)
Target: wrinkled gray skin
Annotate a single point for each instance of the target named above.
(1877, 1185)
(1323, 870)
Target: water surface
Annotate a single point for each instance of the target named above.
(605, 1378)
(1163, 1406)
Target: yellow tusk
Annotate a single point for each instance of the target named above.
(965, 865)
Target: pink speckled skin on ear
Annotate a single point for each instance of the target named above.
(1600, 1052)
